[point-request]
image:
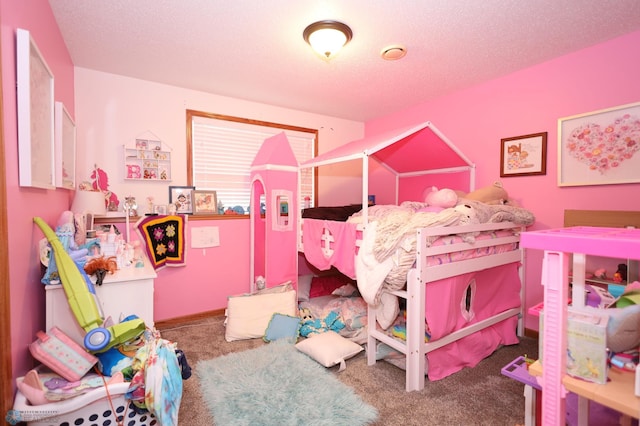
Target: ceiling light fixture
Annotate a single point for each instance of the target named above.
(327, 37)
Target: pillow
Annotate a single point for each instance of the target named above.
(304, 287)
(329, 348)
(282, 327)
(281, 288)
(248, 315)
(347, 290)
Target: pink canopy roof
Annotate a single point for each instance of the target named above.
(411, 149)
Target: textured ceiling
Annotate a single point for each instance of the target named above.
(253, 49)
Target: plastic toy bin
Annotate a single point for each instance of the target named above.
(91, 408)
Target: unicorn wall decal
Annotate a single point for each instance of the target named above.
(101, 183)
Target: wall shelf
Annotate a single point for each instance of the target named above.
(147, 160)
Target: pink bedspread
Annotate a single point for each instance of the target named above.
(493, 291)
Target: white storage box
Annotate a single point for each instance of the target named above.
(91, 408)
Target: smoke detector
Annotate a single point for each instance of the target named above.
(393, 52)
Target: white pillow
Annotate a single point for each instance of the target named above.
(347, 290)
(248, 316)
(280, 288)
(329, 348)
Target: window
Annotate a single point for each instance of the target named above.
(220, 150)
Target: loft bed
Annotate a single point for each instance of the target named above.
(457, 273)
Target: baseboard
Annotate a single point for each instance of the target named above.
(528, 332)
(173, 322)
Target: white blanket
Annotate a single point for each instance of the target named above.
(387, 250)
(371, 274)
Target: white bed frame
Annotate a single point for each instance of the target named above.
(415, 348)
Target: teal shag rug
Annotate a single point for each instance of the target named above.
(276, 384)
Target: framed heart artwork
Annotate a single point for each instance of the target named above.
(600, 147)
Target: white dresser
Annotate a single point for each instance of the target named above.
(127, 292)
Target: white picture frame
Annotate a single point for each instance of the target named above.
(65, 148)
(35, 102)
(600, 147)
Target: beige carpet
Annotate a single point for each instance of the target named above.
(473, 396)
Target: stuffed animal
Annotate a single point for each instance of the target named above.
(331, 322)
(492, 194)
(470, 214)
(470, 218)
(440, 197)
(621, 273)
(305, 315)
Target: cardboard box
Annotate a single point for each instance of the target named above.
(586, 343)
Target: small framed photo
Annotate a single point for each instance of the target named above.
(524, 155)
(160, 209)
(181, 197)
(205, 202)
(600, 147)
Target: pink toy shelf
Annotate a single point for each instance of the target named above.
(607, 242)
(558, 244)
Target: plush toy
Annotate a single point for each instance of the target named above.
(621, 274)
(470, 218)
(305, 315)
(331, 322)
(600, 273)
(471, 214)
(492, 194)
(443, 198)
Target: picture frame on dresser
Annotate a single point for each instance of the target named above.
(160, 209)
(600, 147)
(182, 198)
(524, 155)
(35, 101)
(205, 202)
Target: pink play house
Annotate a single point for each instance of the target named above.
(274, 213)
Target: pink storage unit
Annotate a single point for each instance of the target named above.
(558, 244)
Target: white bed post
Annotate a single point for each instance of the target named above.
(472, 178)
(522, 273)
(365, 190)
(415, 356)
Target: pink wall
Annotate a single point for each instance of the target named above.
(27, 294)
(531, 101)
(209, 276)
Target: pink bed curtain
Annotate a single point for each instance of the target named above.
(493, 291)
(340, 252)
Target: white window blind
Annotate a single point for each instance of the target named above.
(223, 150)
